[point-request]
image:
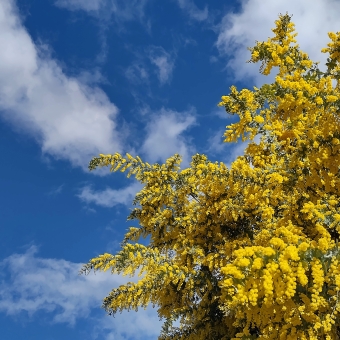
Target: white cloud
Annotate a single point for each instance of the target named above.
(69, 119)
(164, 63)
(313, 19)
(193, 11)
(141, 325)
(110, 197)
(53, 285)
(164, 136)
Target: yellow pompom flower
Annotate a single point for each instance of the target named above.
(259, 119)
(319, 100)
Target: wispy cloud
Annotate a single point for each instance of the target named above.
(110, 197)
(228, 151)
(137, 73)
(215, 142)
(107, 13)
(141, 325)
(36, 284)
(193, 11)
(85, 5)
(164, 63)
(153, 60)
(117, 10)
(220, 113)
(69, 119)
(56, 191)
(254, 21)
(52, 285)
(164, 136)
(238, 150)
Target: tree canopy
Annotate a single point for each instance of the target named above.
(249, 252)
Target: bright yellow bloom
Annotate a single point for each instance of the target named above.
(259, 119)
(319, 100)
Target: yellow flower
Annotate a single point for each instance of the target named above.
(319, 100)
(243, 262)
(331, 98)
(303, 246)
(289, 60)
(257, 264)
(255, 54)
(259, 119)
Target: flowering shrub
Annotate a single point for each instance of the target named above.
(249, 252)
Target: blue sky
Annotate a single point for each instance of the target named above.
(83, 77)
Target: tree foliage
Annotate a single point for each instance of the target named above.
(249, 252)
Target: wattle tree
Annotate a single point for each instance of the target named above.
(249, 252)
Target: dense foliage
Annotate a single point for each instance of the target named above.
(249, 252)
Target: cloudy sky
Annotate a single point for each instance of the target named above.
(83, 77)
